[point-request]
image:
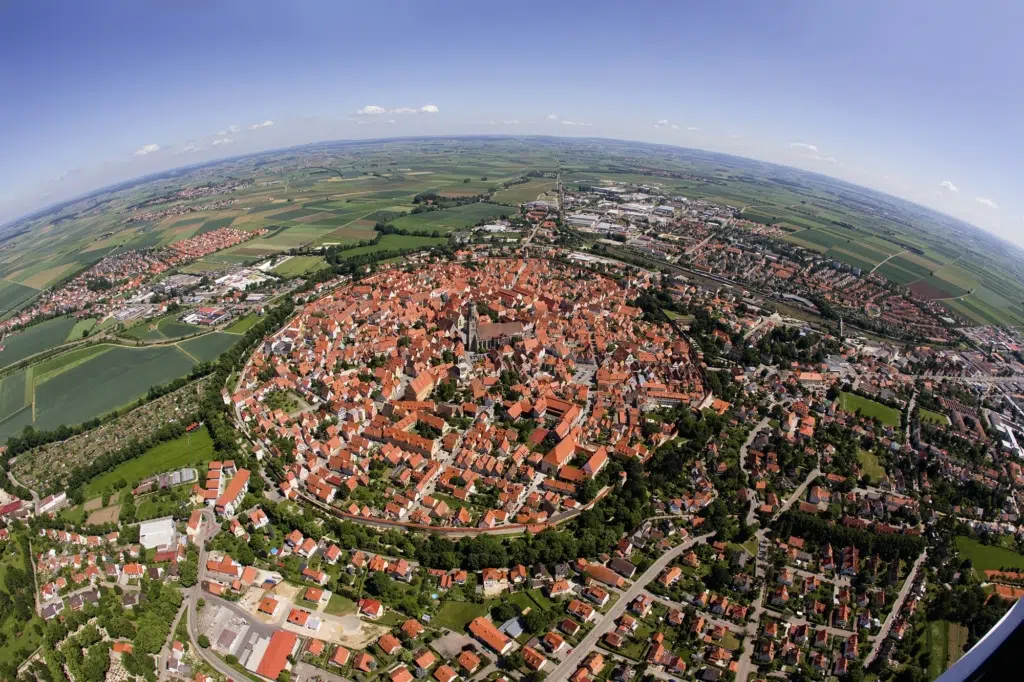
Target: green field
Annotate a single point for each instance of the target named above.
(450, 219)
(933, 417)
(162, 329)
(525, 192)
(987, 557)
(191, 449)
(340, 605)
(394, 242)
(13, 294)
(851, 402)
(14, 394)
(243, 324)
(870, 465)
(35, 339)
(111, 379)
(81, 327)
(298, 265)
(456, 615)
(208, 347)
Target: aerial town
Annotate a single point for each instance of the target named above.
(613, 448)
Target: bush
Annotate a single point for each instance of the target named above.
(204, 641)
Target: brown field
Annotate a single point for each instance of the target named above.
(93, 504)
(928, 290)
(44, 277)
(105, 515)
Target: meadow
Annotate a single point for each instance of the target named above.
(525, 192)
(852, 402)
(208, 347)
(191, 449)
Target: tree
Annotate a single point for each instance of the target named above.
(204, 641)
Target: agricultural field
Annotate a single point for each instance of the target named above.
(35, 339)
(525, 192)
(988, 557)
(852, 402)
(191, 449)
(43, 468)
(394, 242)
(361, 183)
(450, 219)
(114, 376)
(13, 294)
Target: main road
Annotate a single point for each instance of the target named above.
(571, 662)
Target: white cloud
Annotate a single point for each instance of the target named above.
(568, 123)
(661, 124)
(830, 159)
(147, 149)
(675, 127)
(948, 185)
(222, 140)
(552, 117)
(692, 128)
(374, 110)
(228, 130)
(190, 147)
(985, 201)
(810, 148)
(265, 124)
(391, 122)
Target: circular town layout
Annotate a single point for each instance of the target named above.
(480, 395)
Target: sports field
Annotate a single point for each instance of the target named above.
(190, 449)
(851, 402)
(298, 265)
(208, 347)
(987, 557)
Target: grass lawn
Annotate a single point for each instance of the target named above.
(190, 449)
(936, 638)
(870, 465)
(455, 615)
(340, 605)
(869, 408)
(934, 417)
(986, 557)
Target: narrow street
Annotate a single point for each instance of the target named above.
(571, 662)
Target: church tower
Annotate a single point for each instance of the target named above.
(472, 332)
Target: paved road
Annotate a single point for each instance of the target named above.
(797, 494)
(571, 662)
(193, 594)
(896, 608)
(761, 425)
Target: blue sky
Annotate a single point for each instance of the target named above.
(922, 100)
